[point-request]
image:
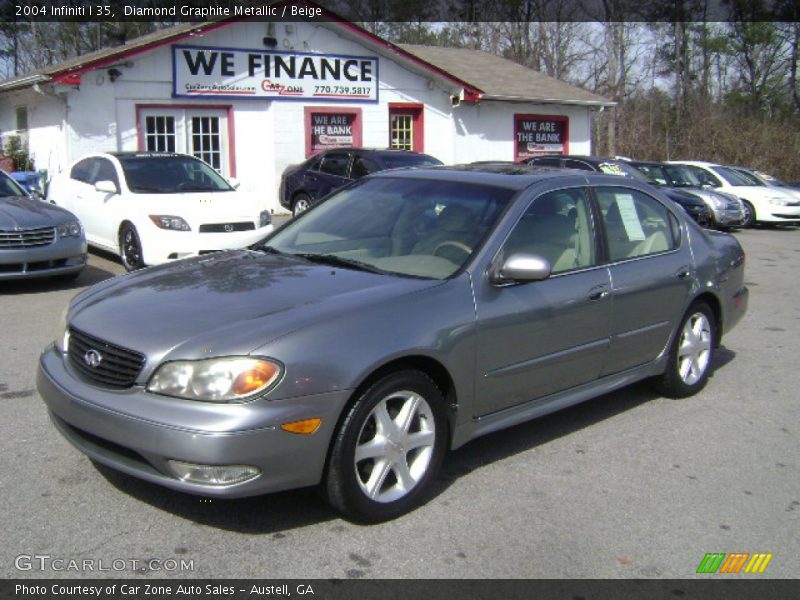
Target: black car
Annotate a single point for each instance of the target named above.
(693, 205)
(302, 185)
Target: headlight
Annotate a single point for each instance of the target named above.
(170, 222)
(717, 202)
(69, 229)
(62, 333)
(264, 219)
(229, 379)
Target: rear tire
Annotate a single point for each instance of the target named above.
(130, 248)
(690, 355)
(388, 449)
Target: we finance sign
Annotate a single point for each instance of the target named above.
(235, 73)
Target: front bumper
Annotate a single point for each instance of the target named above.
(62, 257)
(727, 217)
(161, 246)
(137, 433)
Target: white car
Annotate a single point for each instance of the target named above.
(151, 208)
(762, 204)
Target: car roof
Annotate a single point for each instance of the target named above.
(693, 163)
(143, 154)
(508, 175)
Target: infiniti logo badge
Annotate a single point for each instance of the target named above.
(228, 227)
(93, 358)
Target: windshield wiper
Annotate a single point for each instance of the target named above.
(338, 261)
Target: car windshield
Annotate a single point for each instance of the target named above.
(736, 178)
(397, 161)
(402, 226)
(170, 174)
(685, 176)
(9, 187)
(656, 174)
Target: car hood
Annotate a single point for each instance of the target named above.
(682, 196)
(26, 213)
(229, 303)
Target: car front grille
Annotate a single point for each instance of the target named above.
(227, 227)
(117, 367)
(27, 238)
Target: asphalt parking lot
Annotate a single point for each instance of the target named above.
(627, 485)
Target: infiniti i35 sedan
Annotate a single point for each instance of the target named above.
(405, 315)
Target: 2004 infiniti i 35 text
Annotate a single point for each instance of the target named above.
(406, 314)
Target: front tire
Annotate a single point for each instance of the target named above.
(388, 449)
(749, 215)
(301, 204)
(689, 363)
(130, 248)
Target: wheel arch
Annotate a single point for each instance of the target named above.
(427, 365)
(713, 302)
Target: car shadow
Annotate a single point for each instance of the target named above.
(284, 511)
(89, 276)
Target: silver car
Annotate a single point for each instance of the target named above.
(37, 239)
(408, 313)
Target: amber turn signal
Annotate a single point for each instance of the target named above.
(258, 376)
(304, 427)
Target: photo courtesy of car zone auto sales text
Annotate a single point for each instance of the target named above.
(298, 300)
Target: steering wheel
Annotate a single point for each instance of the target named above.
(460, 246)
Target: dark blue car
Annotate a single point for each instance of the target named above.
(302, 185)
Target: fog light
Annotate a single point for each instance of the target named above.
(213, 474)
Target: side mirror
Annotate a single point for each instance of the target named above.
(106, 186)
(235, 183)
(519, 268)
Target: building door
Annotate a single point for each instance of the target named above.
(406, 130)
(200, 132)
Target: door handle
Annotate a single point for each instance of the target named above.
(683, 273)
(596, 295)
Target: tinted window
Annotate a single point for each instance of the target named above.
(80, 172)
(363, 166)
(105, 171)
(636, 224)
(170, 174)
(704, 177)
(737, 178)
(578, 164)
(557, 226)
(396, 161)
(545, 161)
(9, 187)
(335, 163)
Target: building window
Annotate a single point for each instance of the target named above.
(406, 127)
(205, 132)
(22, 118)
(159, 134)
(401, 133)
(206, 143)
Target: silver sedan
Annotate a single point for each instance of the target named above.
(37, 239)
(408, 313)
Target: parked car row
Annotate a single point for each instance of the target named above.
(736, 196)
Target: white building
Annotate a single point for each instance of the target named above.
(253, 97)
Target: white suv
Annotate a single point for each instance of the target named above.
(762, 204)
(151, 208)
